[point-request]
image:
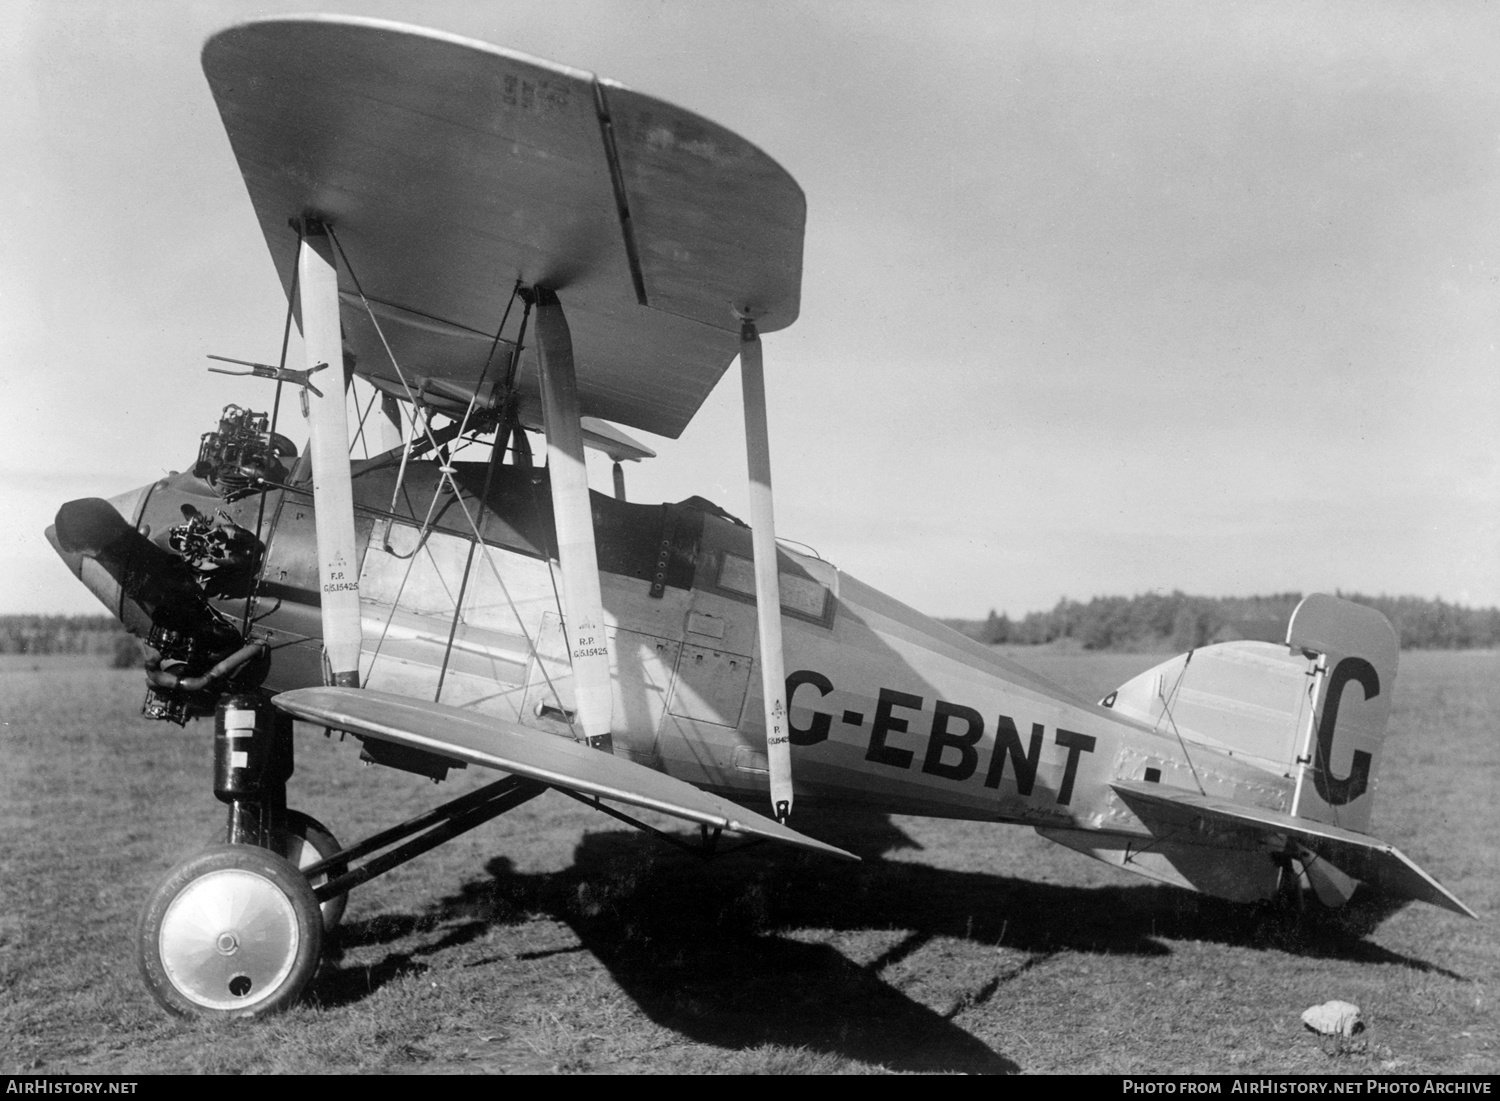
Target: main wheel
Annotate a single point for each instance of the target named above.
(232, 932)
(308, 842)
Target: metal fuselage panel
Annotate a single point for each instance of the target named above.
(891, 707)
(888, 708)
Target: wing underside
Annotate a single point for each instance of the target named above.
(493, 743)
(450, 169)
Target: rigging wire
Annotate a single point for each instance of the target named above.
(417, 412)
(484, 497)
(374, 393)
(446, 476)
(411, 561)
(260, 513)
(1166, 709)
(490, 358)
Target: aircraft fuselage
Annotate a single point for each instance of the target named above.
(888, 708)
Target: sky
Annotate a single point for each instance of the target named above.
(1098, 298)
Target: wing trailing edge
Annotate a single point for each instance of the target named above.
(1365, 858)
(494, 743)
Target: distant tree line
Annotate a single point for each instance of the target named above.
(1177, 622)
(68, 634)
(1149, 622)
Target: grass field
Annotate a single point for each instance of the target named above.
(555, 939)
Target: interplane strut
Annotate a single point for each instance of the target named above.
(328, 447)
(767, 584)
(578, 559)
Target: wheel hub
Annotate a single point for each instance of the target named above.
(228, 938)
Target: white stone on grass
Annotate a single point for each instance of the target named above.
(1333, 1019)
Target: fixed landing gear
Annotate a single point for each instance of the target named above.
(253, 761)
(233, 932)
(309, 842)
(1312, 887)
(1316, 900)
(238, 930)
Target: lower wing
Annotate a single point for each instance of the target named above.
(494, 743)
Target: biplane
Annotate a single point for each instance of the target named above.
(504, 248)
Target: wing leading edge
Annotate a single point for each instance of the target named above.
(450, 168)
(494, 743)
(1363, 857)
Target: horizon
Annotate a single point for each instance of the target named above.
(1355, 597)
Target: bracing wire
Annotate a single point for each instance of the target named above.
(484, 496)
(374, 393)
(446, 476)
(411, 561)
(1166, 709)
(417, 412)
(286, 337)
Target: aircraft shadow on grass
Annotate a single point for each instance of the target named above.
(706, 948)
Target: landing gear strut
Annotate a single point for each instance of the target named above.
(252, 762)
(238, 930)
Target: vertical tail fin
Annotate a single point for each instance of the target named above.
(1354, 651)
(1314, 710)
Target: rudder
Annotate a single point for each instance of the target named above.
(1314, 710)
(1354, 654)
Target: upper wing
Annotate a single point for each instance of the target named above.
(450, 168)
(494, 743)
(1365, 858)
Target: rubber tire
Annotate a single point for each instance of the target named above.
(279, 930)
(309, 841)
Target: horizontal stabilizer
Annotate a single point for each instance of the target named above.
(1365, 858)
(495, 743)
